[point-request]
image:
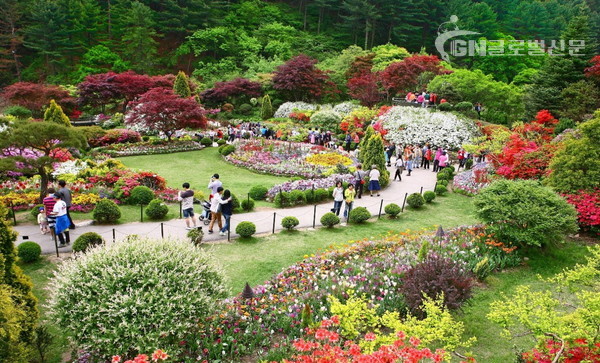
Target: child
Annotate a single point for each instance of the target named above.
(42, 221)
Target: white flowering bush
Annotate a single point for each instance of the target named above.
(414, 125)
(288, 107)
(134, 296)
(345, 108)
(72, 167)
(326, 120)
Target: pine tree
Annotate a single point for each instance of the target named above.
(363, 144)
(54, 113)
(266, 108)
(181, 86)
(373, 154)
(140, 48)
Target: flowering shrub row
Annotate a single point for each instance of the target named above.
(150, 148)
(116, 136)
(309, 184)
(473, 180)
(587, 204)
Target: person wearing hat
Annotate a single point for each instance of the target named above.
(61, 229)
(213, 185)
(43, 221)
(374, 180)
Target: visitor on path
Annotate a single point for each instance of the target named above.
(421, 99)
(226, 211)
(349, 195)
(186, 197)
(390, 150)
(359, 176)
(426, 98)
(418, 156)
(67, 197)
(436, 160)
(374, 180)
(399, 169)
(338, 198)
(42, 221)
(62, 220)
(461, 158)
(214, 185)
(427, 158)
(215, 210)
(443, 161)
(423, 153)
(409, 163)
(48, 203)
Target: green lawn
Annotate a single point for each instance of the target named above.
(196, 168)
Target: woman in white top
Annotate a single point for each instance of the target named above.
(62, 221)
(374, 180)
(338, 198)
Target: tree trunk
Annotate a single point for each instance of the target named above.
(43, 183)
(366, 33)
(109, 21)
(321, 11)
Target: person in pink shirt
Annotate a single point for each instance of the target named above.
(443, 161)
(436, 160)
(420, 98)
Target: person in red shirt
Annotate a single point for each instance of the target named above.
(461, 158)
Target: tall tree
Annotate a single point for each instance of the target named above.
(34, 96)
(181, 86)
(139, 46)
(11, 39)
(301, 80)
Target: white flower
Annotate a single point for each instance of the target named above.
(288, 107)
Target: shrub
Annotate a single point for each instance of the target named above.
(282, 200)
(106, 211)
(245, 109)
(154, 274)
(206, 142)
(87, 241)
(248, 204)
(321, 195)
(429, 196)
(441, 189)
(235, 202)
(157, 209)
(310, 196)
(329, 220)
(445, 107)
(433, 277)
(392, 210)
(525, 213)
(36, 210)
(19, 112)
(195, 235)
(463, 106)
(226, 149)
(443, 182)
(141, 195)
(258, 192)
(415, 200)
(289, 222)
(444, 175)
(221, 142)
(245, 229)
(469, 164)
(29, 251)
(359, 215)
(297, 197)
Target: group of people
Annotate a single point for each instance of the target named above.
(425, 99)
(54, 216)
(221, 206)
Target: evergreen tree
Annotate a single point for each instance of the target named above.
(363, 143)
(181, 86)
(54, 113)
(579, 30)
(139, 46)
(373, 154)
(266, 108)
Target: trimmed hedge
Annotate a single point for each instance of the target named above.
(429, 196)
(329, 219)
(157, 209)
(206, 142)
(359, 215)
(248, 204)
(415, 200)
(141, 195)
(258, 192)
(86, 241)
(392, 210)
(29, 251)
(289, 222)
(245, 229)
(106, 211)
(441, 190)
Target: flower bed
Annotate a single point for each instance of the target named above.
(308, 184)
(417, 126)
(286, 158)
(471, 181)
(150, 148)
(116, 136)
(587, 204)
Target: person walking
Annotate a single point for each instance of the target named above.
(409, 163)
(215, 210)
(349, 195)
(427, 158)
(399, 168)
(461, 158)
(214, 184)
(338, 198)
(418, 156)
(390, 150)
(67, 197)
(42, 220)
(348, 140)
(374, 180)
(186, 197)
(436, 160)
(359, 176)
(226, 211)
(48, 203)
(443, 161)
(62, 220)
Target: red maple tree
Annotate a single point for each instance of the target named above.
(403, 76)
(232, 91)
(594, 70)
(34, 96)
(301, 80)
(364, 88)
(161, 109)
(98, 90)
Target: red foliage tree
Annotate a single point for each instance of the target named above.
(233, 91)
(161, 109)
(34, 96)
(301, 80)
(594, 70)
(98, 90)
(403, 76)
(364, 88)
(131, 85)
(360, 66)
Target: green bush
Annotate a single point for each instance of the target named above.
(227, 149)
(443, 182)
(195, 235)
(245, 229)
(429, 196)
(154, 274)
(469, 164)
(106, 211)
(463, 106)
(282, 200)
(29, 251)
(235, 202)
(321, 195)
(248, 204)
(86, 241)
(157, 209)
(445, 107)
(441, 190)
(245, 109)
(141, 195)
(221, 142)
(289, 222)
(297, 197)
(392, 210)
(311, 196)
(36, 210)
(19, 112)
(523, 212)
(359, 215)
(443, 175)
(415, 200)
(258, 192)
(206, 142)
(329, 219)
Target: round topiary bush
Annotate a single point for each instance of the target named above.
(359, 215)
(297, 197)
(443, 182)
(227, 149)
(445, 107)
(245, 229)
(29, 251)
(392, 210)
(157, 209)
(415, 200)
(248, 204)
(289, 222)
(235, 202)
(258, 192)
(282, 200)
(441, 190)
(321, 195)
(463, 106)
(329, 219)
(139, 279)
(469, 164)
(87, 241)
(429, 196)
(221, 142)
(106, 211)
(245, 109)
(206, 142)
(444, 175)
(141, 195)
(310, 196)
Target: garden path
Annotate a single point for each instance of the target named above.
(263, 219)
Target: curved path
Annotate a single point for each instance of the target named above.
(263, 219)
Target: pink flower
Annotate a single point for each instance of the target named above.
(159, 355)
(370, 337)
(116, 359)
